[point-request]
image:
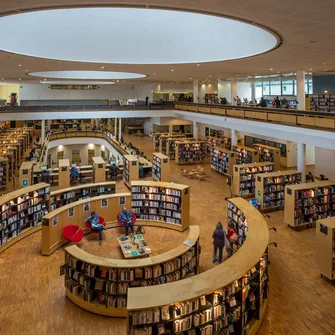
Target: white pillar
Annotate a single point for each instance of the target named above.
(115, 127)
(97, 122)
(196, 91)
(301, 160)
(195, 130)
(42, 130)
(253, 90)
(49, 125)
(233, 138)
(301, 90)
(120, 130)
(233, 90)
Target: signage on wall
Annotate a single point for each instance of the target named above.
(25, 182)
(74, 87)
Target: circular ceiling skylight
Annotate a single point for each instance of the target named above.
(92, 75)
(131, 36)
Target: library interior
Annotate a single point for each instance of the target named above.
(166, 168)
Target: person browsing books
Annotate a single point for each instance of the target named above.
(232, 237)
(219, 242)
(93, 220)
(126, 218)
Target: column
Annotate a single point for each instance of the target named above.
(97, 121)
(49, 125)
(253, 91)
(115, 127)
(301, 90)
(195, 130)
(42, 131)
(233, 91)
(233, 138)
(120, 130)
(196, 91)
(301, 160)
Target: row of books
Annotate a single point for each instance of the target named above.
(158, 190)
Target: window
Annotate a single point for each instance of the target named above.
(258, 90)
(287, 87)
(275, 88)
(266, 88)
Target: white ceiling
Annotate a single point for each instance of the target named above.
(306, 28)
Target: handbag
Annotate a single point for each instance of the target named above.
(140, 230)
(233, 238)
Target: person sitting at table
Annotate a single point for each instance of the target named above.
(93, 220)
(126, 218)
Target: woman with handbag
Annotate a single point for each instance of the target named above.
(232, 237)
(219, 242)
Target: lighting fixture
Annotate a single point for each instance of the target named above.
(20, 65)
(324, 63)
(19, 78)
(172, 70)
(198, 64)
(271, 69)
(310, 69)
(102, 67)
(325, 91)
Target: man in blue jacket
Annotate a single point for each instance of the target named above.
(126, 218)
(93, 220)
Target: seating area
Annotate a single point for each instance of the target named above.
(198, 173)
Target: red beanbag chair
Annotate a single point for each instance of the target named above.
(72, 233)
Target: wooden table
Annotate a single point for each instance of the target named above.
(132, 252)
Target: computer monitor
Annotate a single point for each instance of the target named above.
(44, 167)
(269, 102)
(293, 103)
(74, 165)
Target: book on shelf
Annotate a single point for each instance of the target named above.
(192, 152)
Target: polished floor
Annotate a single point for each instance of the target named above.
(32, 291)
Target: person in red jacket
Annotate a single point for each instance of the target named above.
(232, 237)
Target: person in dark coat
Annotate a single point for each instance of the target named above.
(219, 242)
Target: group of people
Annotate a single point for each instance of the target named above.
(224, 239)
(125, 218)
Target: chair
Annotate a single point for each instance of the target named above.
(133, 220)
(88, 226)
(72, 233)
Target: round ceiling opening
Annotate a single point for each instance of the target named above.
(87, 75)
(131, 36)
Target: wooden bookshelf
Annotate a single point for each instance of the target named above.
(223, 160)
(244, 176)
(213, 301)
(270, 188)
(99, 170)
(306, 203)
(222, 142)
(107, 206)
(130, 169)
(3, 173)
(268, 154)
(9, 155)
(325, 247)
(192, 152)
(156, 140)
(160, 167)
(102, 287)
(245, 155)
(171, 146)
(66, 196)
(21, 213)
(163, 141)
(63, 173)
(26, 174)
(168, 203)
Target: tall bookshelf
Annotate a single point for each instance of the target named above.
(168, 203)
(130, 169)
(325, 247)
(270, 188)
(156, 140)
(245, 155)
(192, 152)
(160, 167)
(234, 303)
(3, 172)
(21, 213)
(171, 146)
(268, 154)
(322, 102)
(99, 170)
(100, 285)
(244, 176)
(66, 196)
(222, 160)
(163, 141)
(306, 203)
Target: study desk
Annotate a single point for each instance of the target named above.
(131, 250)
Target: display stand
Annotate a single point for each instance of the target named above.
(270, 188)
(99, 170)
(215, 301)
(244, 176)
(325, 247)
(130, 169)
(190, 152)
(63, 173)
(268, 154)
(26, 174)
(160, 167)
(306, 203)
(168, 203)
(21, 213)
(223, 160)
(245, 155)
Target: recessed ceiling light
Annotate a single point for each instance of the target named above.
(210, 76)
(45, 78)
(190, 78)
(172, 70)
(271, 69)
(20, 65)
(198, 64)
(325, 70)
(154, 74)
(278, 72)
(324, 63)
(310, 69)
(19, 78)
(27, 70)
(102, 67)
(2, 78)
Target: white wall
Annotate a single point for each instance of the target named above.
(207, 88)
(163, 121)
(244, 90)
(324, 159)
(224, 90)
(173, 88)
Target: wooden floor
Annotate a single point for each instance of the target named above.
(32, 292)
